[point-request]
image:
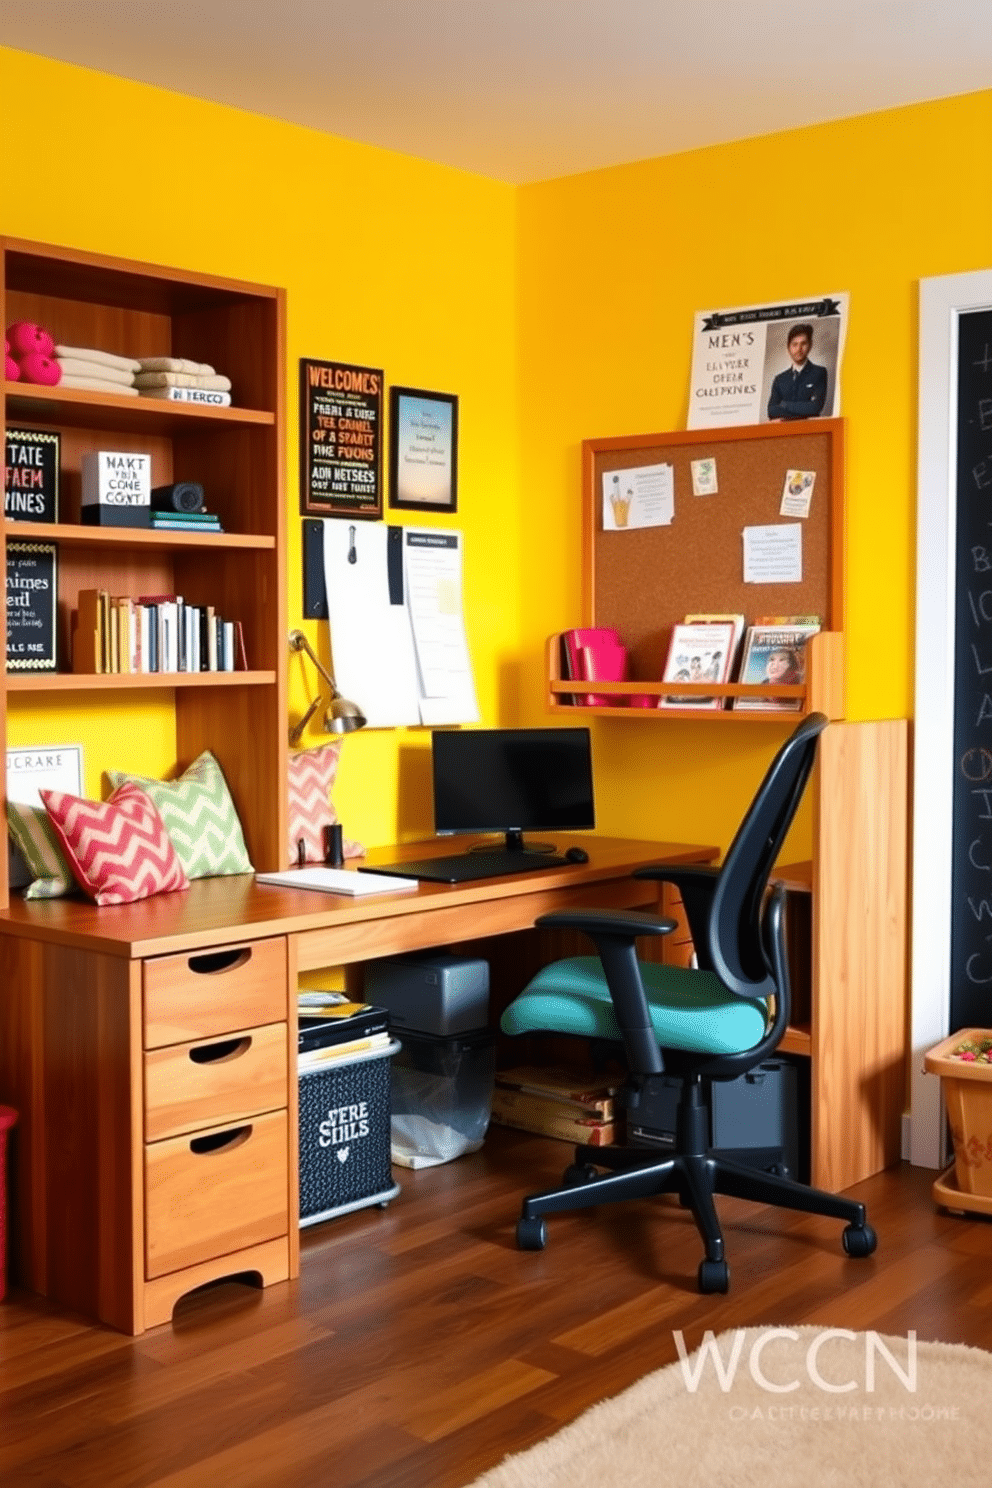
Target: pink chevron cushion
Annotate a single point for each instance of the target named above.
(118, 849)
(311, 777)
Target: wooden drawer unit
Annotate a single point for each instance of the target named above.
(189, 1086)
(206, 994)
(214, 1193)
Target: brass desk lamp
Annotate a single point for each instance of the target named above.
(342, 716)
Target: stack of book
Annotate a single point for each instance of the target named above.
(333, 1028)
(557, 1103)
(153, 633)
(180, 521)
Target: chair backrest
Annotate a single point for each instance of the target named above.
(735, 935)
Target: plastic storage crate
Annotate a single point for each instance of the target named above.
(344, 1135)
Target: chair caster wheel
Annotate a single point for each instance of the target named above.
(714, 1276)
(859, 1240)
(532, 1234)
(577, 1174)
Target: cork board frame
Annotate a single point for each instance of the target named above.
(644, 580)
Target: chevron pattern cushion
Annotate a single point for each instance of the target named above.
(51, 875)
(199, 816)
(311, 777)
(119, 849)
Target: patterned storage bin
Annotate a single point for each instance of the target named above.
(344, 1136)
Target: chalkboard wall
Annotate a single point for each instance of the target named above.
(971, 875)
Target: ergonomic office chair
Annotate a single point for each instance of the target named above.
(715, 1022)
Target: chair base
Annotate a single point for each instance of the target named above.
(696, 1178)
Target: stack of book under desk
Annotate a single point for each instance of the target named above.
(573, 1106)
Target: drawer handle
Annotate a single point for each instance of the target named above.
(220, 1141)
(213, 962)
(226, 1050)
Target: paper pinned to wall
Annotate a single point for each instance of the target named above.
(773, 554)
(394, 602)
(371, 637)
(432, 569)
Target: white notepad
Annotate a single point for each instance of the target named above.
(337, 881)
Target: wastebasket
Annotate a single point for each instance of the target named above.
(442, 1096)
(8, 1116)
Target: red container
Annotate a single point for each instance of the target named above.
(7, 1118)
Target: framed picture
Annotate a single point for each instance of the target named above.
(423, 450)
(32, 600)
(340, 440)
(31, 489)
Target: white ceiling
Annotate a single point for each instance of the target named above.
(524, 90)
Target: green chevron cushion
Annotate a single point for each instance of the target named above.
(199, 817)
(51, 876)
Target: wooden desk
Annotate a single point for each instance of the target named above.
(101, 1011)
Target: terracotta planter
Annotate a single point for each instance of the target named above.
(967, 1086)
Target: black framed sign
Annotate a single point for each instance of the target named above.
(32, 603)
(340, 440)
(423, 450)
(31, 484)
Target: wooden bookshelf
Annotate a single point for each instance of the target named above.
(238, 454)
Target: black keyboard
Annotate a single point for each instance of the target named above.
(464, 867)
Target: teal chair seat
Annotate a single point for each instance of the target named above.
(689, 1010)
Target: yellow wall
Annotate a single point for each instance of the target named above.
(613, 266)
(388, 261)
(556, 311)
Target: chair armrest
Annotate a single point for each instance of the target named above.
(695, 883)
(622, 923)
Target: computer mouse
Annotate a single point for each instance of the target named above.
(576, 855)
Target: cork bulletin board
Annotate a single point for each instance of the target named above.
(643, 580)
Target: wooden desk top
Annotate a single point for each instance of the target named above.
(236, 908)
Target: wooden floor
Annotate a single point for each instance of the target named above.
(420, 1346)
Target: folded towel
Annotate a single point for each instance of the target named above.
(182, 379)
(105, 358)
(174, 364)
(76, 367)
(98, 385)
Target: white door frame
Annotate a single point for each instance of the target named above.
(942, 301)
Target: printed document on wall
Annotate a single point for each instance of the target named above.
(371, 638)
(432, 573)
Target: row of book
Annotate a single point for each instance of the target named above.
(558, 1103)
(153, 633)
(771, 652)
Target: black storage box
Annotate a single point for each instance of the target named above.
(442, 1096)
(344, 1135)
(755, 1118)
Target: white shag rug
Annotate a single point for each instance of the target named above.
(817, 1407)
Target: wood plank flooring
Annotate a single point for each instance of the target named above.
(419, 1346)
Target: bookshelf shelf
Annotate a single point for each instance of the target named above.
(68, 534)
(70, 407)
(132, 681)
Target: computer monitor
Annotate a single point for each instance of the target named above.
(512, 781)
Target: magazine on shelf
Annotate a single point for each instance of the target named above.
(774, 654)
(737, 621)
(698, 653)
